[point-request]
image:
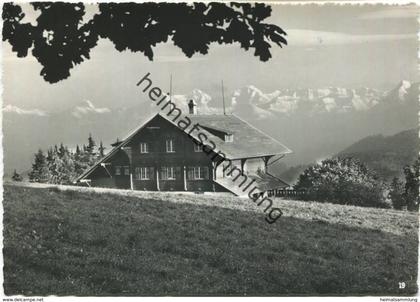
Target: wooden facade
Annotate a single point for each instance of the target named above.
(171, 161)
(160, 156)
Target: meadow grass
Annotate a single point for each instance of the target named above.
(85, 243)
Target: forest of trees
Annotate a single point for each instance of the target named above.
(342, 181)
(60, 165)
(348, 181)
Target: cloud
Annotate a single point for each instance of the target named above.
(17, 110)
(86, 108)
(400, 12)
(303, 37)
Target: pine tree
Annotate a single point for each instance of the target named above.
(55, 169)
(85, 159)
(61, 150)
(411, 193)
(16, 176)
(69, 170)
(40, 171)
(77, 158)
(49, 155)
(62, 169)
(91, 144)
(101, 150)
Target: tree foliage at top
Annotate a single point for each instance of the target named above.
(60, 40)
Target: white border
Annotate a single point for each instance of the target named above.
(316, 299)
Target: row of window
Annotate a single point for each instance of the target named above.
(170, 147)
(166, 173)
(122, 170)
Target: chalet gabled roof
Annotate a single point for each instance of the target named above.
(248, 141)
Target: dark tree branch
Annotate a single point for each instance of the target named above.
(60, 40)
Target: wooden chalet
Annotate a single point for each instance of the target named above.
(160, 156)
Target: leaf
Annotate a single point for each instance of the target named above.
(61, 41)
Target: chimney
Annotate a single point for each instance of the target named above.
(192, 107)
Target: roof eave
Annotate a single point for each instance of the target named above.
(262, 155)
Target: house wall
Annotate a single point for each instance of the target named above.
(225, 168)
(99, 178)
(107, 178)
(156, 132)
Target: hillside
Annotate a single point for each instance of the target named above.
(387, 155)
(80, 241)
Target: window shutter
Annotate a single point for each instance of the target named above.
(152, 173)
(190, 173)
(178, 174)
(126, 170)
(163, 173)
(206, 172)
(197, 172)
(117, 170)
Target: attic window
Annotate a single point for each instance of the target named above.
(228, 138)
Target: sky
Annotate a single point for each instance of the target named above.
(329, 45)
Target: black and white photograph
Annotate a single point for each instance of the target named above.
(210, 149)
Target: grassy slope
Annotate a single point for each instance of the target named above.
(88, 243)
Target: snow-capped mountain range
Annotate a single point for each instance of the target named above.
(312, 122)
(311, 101)
(250, 98)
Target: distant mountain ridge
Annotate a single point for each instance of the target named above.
(281, 101)
(387, 155)
(309, 101)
